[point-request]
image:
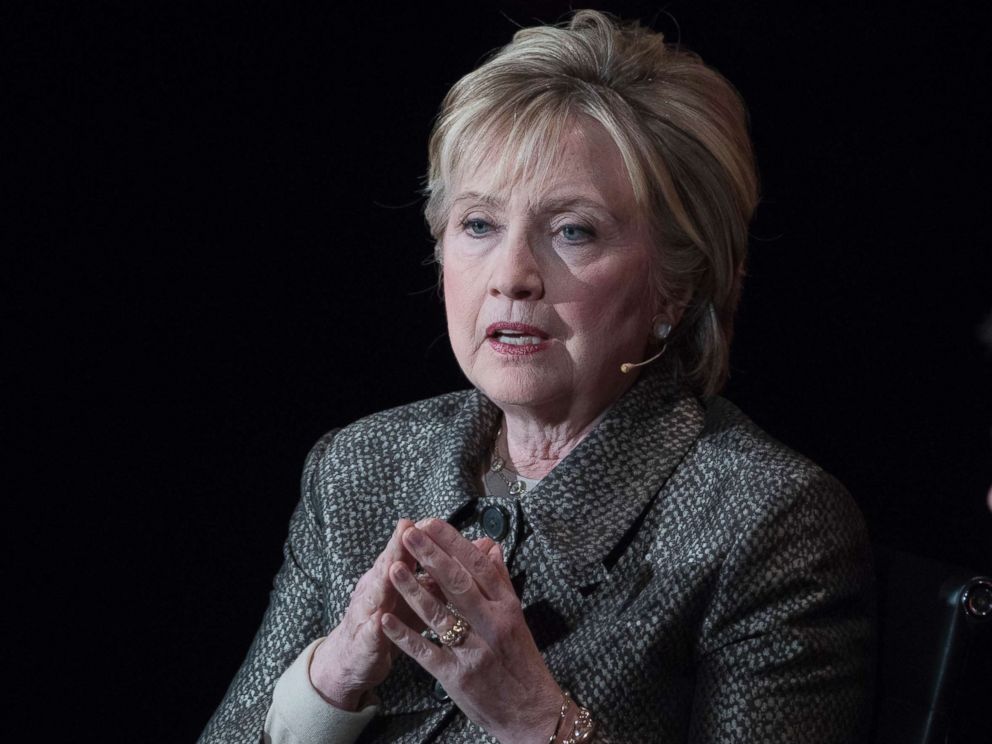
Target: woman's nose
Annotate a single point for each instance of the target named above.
(517, 275)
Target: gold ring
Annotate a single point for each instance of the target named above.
(455, 634)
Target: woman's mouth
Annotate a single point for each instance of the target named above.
(511, 338)
(516, 338)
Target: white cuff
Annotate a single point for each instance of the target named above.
(299, 715)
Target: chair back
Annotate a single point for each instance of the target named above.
(934, 680)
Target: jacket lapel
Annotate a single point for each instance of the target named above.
(447, 461)
(582, 509)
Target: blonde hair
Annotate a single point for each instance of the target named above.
(680, 127)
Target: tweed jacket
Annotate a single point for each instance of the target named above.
(686, 577)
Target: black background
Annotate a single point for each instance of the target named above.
(215, 253)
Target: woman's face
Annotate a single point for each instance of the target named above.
(547, 285)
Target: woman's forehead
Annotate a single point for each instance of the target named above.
(581, 165)
(494, 162)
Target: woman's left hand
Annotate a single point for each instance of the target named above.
(496, 675)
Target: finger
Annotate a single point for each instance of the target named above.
(395, 550)
(427, 581)
(456, 583)
(362, 601)
(418, 605)
(414, 645)
(427, 607)
(403, 611)
(484, 544)
(474, 561)
(431, 586)
(496, 556)
(374, 589)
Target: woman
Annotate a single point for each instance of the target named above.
(607, 551)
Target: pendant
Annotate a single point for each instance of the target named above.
(497, 464)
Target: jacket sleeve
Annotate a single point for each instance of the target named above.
(292, 621)
(299, 715)
(786, 644)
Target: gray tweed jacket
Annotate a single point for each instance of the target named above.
(686, 577)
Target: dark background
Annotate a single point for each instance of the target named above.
(215, 253)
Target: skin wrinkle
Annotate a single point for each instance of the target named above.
(593, 297)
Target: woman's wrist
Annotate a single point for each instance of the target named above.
(532, 722)
(348, 700)
(333, 691)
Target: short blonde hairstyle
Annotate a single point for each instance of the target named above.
(680, 127)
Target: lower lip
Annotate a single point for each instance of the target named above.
(516, 349)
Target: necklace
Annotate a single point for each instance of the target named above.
(498, 466)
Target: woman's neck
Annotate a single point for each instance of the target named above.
(533, 448)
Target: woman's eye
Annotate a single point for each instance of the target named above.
(476, 227)
(575, 233)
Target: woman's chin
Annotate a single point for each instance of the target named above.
(526, 387)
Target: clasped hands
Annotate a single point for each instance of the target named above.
(495, 675)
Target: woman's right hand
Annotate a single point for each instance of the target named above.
(356, 656)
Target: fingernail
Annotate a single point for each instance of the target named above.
(389, 622)
(416, 537)
(403, 573)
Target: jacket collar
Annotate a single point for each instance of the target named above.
(581, 510)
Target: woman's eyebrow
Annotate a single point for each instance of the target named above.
(569, 202)
(562, 203)
(552, 204)
(478, 196)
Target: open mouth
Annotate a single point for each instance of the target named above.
(516, 334)
(516, 339)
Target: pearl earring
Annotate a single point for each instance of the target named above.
(660, 329)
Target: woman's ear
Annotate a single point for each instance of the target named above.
(672, 306)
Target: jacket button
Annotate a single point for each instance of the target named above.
(439, 692)
(495, 522)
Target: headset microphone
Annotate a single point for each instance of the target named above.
(660, 329)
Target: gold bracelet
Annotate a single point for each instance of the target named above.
(583, 726)
(561, 717)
